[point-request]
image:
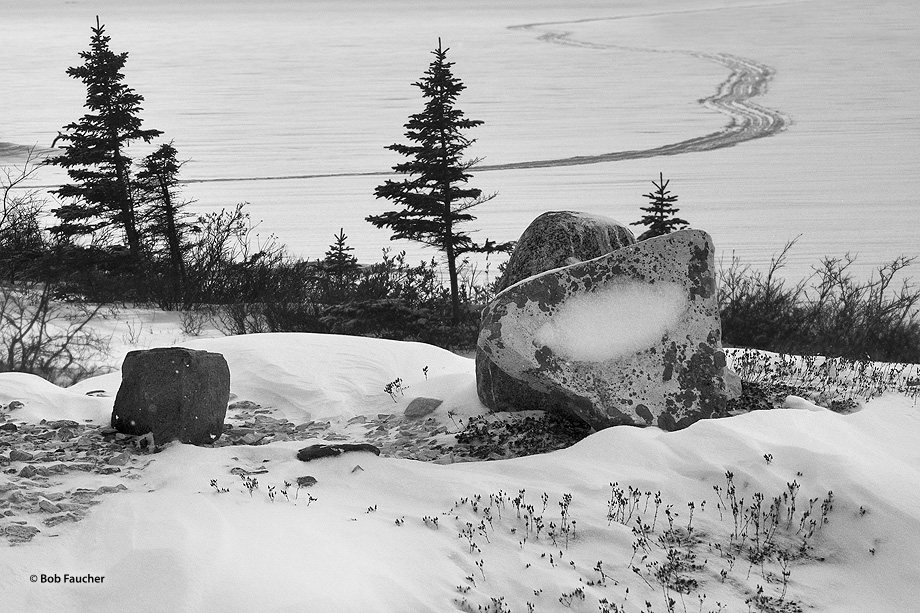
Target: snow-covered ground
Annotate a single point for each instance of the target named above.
(404, 535)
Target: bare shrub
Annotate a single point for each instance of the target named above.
(22, 238)
(829, 313)
(47, 338)
(240, 318)
(134, 333)
(758, 309)
(222, 241)
(192, 321)
(871, 319)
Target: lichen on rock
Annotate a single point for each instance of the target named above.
(630, 337)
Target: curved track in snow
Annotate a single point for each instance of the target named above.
(15, 152)
(747, 120)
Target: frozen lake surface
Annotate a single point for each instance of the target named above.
(289, 106)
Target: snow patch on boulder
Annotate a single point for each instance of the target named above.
(622, 319)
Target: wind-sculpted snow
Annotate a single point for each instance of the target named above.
(747, 80)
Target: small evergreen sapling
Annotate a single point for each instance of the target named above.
(661, 214)
(340, 268)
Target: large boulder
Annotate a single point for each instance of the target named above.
(552, 240)
(175, 393)
(631, 337)
(562, 238)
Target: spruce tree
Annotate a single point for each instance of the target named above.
(661, 213)
(435, 197)
(101, 195)
(165, 219)
(340, 267)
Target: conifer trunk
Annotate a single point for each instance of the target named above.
(452, 273)
(126, 205)
(172, 238)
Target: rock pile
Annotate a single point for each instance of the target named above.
(399, 436)
(36, 459)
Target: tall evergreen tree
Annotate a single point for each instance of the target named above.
(94, 156)
(435, 196)
(661, 213)
(165, 218)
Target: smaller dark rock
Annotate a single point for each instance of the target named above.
(17, 455)
(253, 438)
(54, 520)
(62, 423)
(19, 533)
(243, 472)
(28, 471)
(421, 406)
(315, 452)
(48, 506)
(18, 497)
(8, 427)
(306, 481)
(119, 459)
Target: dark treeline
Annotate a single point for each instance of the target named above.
(123, 231)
